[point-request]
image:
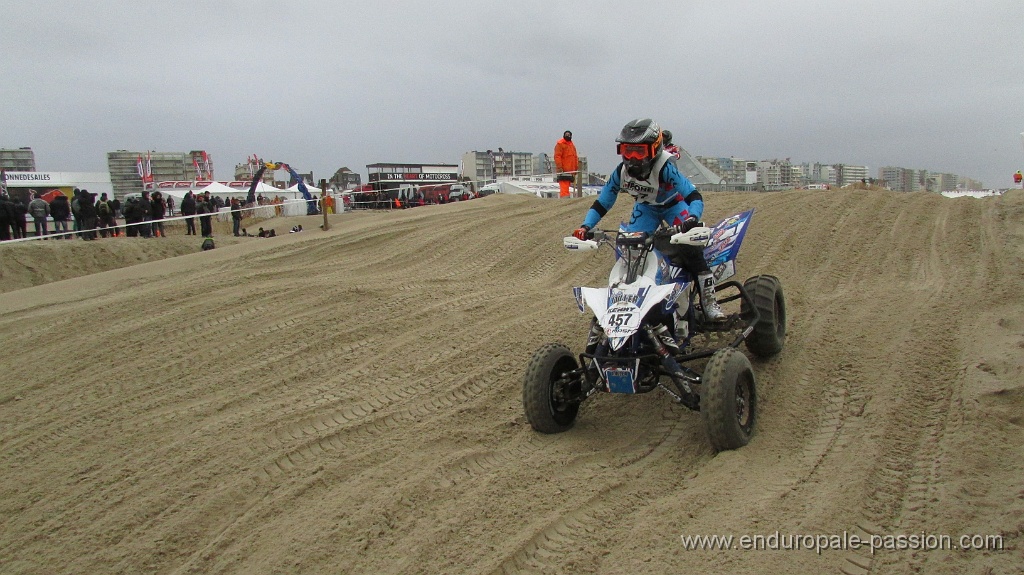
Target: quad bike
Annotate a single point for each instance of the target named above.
(647, 295)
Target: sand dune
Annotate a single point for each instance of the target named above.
(349, 401)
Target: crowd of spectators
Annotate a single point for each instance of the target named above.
(93, 216)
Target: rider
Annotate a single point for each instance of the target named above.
(660, 193)
(670, 147)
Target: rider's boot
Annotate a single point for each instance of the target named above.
(667, 339)
(712, 311)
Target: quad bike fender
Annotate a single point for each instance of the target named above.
(620, 310)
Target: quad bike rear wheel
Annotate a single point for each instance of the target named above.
(728, 399)
(769, 333)
(550, 398)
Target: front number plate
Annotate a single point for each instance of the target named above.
(619, 380)
(621, 320)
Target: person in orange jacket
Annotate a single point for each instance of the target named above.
(566, 163)
(1018, 178)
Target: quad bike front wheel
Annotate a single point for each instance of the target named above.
(550, 396)
(769, 333)
(728, 399)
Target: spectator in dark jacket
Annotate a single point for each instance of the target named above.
(20, 211)
(105, 217)
(204, 207)
(188, 208)
(130, 211)
(144, 212)
(87, 213)
(75, 211)
(6, 216)
(60, 211)
(159, 212)
(236, 216)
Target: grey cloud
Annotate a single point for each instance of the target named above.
(929, 84)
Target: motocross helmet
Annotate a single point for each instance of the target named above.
(639, 143)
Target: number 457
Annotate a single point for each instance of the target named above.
(618, 319)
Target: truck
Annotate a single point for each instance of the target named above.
(444, 193)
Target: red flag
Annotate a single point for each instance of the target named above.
(199, 175)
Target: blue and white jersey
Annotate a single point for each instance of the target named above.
(663, 191)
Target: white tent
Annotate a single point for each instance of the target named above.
(539, 189)
(219, 189)
(311, 189)
(176, 193)
(215, 189)
(695, 171)
(265, 189)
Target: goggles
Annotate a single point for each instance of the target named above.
(635, 151)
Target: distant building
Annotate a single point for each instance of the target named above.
(247, 170)
(488, 166)
(701, 176)
(124, 171)
(781, 175)
(543, 164)
(737, 172)
(913, 180)
(943, 182)
(969, 184)
(17, 159)
(345, 179)
(846, 174)
(306, 178)
(818, 174)
(896, 179)
(485, 167)
(769, 175)
(903, 179)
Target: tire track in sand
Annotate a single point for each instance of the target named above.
(541, 551)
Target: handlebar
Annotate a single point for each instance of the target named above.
(698, 236)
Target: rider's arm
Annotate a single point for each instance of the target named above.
(604, 202)
(672, 180)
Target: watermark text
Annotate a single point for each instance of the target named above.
(778, 541)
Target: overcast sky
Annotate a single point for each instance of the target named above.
(926, 84)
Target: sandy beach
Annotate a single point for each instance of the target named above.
(350, 401)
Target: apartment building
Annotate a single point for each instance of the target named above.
(735, 171)
(17, 159)
(166, 166)
(846, 174)
(489, 165)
